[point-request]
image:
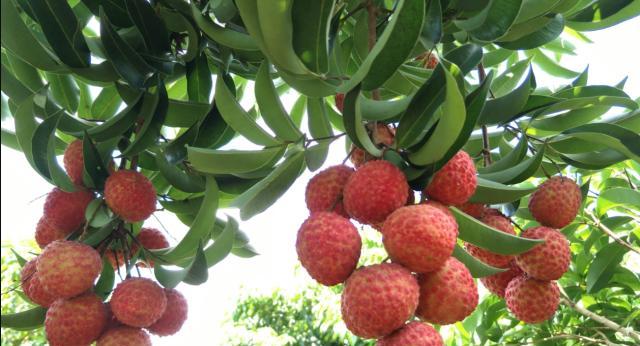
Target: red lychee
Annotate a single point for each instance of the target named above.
(447, 295)
(556, 202)
(130, 195)
(77, 321)
(503, 224)
(174, 315)
(455, 182)
(150, 239)
(328, 247)
(476, 210)
(74, 161)
(531, 300)
(124, 336)
(429, 60)
(65, 210)
(31, 285)
(46, 234)
(68, 268)
(420, 237)
(497, 283)
(374, 191)
(383, 134)
(324, 190)
(138, 302)
(379, 299)
(339, 101)
(413, 334)
(546, 261)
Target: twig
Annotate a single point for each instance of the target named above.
(486, 145)
(629, 179)
(628, 332)
(605, 229)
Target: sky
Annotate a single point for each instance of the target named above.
(611, 57)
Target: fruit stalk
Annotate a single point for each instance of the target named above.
(486, 146)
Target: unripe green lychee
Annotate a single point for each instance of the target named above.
(379, 299)
(374, 191)
(531, 300)
(546, 261)
(77, 321)
(174, 315)
(447, 295)
(130, 195)
(45, 233)
(328, 247)
(420, 237)
(74, 161)
(65, 210)
(503, 224)
(455, 182)
(324, 190)
(413, 334)
(68, 268)
(556, 202)
(138, 302)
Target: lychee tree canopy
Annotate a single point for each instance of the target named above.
(158, 85)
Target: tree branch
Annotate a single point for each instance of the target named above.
(607, 231)
(628, 332)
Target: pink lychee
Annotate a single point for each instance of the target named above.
(124, 336)
(497, 283)
(31, 286)
(324, 190)
(130, 195)
(556, 202)
(455, 182)
(503, 224)
(65, 210)
(74, 161)
(546, 261)
(77, 321)
(413, 334)
(174, 315)
(46, 234)
(531, 300)
(138, 302)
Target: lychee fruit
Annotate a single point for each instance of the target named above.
(124, 336)
(150, 239)
(447, 295)
(339, 98)
(138, 302)
(429, 60)
(74, 161)
(500, 223)
(476, 210)
(324, 190)
(379, 299)
(546, 261)
(31, 285)
(413, 334)
(68, 268)
(46, 234)
(497, 283)
(174, 315)
(556, 202)
(455, 182)
(531, 300)
(421, 237)
(65, 210)
(328, 246)
(77, 321)
(374, 191)
(130, 195)
(383, 134)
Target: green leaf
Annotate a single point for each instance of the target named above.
(64, 91)
(197, 273)
(549, 66)
(24, 72)
(199, 80)
(466, 57)
(493, 21)
(504, 109)
(117, 125)
(178, 178)
(106, 104)
(25, 320)
(477, 268)
(194, 272)
(263, 194)
(107, 279)
(271, 108)
(596, 17)
(432, 28)
(613, 136)
(517, 173)
(245, 252)
(604, 266)
(535, 8)
(477, 233)
(21, 260)
(176, 22)
(213, 161)
(448, 128)
(153, 111)
(378, 110)
(319, 127)
(98, 214)
(224, 36)
(10, 140)
(495, 57)
(150, 26)
(12, 87)
(549, 32)
(509, 79)
(618, 196)
(115, 9)
(223, 243)
(510, 160)
(353, 124)
(490, 192)
(311, 22)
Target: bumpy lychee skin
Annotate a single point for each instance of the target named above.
(68, 268)
(556, 202)
(130, 195)
(546, 261)
(476, 210)
(138, 302)
(174, 315)
(31, 285)
(531, 300)
(324, 190)
(455, 182)
(46, 234)
(150, 239)
(383, 134)
(500, 261)
(339, 98)
(74, 161)
(447, 295)
(413, 334)
(420, 237)
(328, 247)
(378, 299)
(497, 283)
(65, 210)
(75, 322)
(374, 191)
(124, 336)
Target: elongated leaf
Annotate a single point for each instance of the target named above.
(213, 161)
(613, 136)
(153, 111)
(193, 272)
(477, 268)
(223, 243)
(25, 320)
(598, 17)
(618, 196)
(377, 110)
(64, 91)
(106, 104)
(107, 279)
(504, 109)
(604, 266)
(353, 124)
(550, 31)
(493, 21)
(178, 178)
(549, 65)
(466, 57)
(517, 173)
(511, 159)
(199, 80)
(197, 273)
(118, 124)
(491, 192)
(226, 37)
(149, 25)
(311, 23)
(432, 28)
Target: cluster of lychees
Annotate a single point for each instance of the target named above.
(423, 279)
(62, 277)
